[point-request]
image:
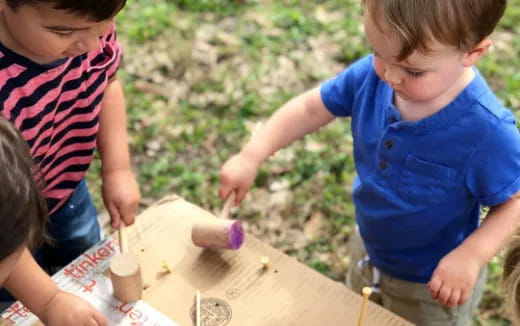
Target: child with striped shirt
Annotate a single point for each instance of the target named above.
(58, 86)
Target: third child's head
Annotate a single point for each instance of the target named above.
(422, 47)
(48, 30)
(23, 213)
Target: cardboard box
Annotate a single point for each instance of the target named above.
(236, 289)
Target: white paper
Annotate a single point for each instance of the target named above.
(84, 277)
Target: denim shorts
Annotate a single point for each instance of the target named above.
(74, 228)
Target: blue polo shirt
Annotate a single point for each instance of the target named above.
(420, 184)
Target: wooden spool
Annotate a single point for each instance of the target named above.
(220, 233)
(125, 273)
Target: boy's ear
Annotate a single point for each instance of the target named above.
(472, 56)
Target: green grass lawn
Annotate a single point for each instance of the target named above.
(199, 74)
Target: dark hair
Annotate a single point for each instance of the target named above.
(23, 212)
(99, 10)
(461, 23)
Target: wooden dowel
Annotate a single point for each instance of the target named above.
(197, 307)
(123, 245)
(227, 206)
(366, 293)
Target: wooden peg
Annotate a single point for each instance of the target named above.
(220, 233)
(125, 272)
(123, 243)
(264, 260)
(197, 308)
(366, 293)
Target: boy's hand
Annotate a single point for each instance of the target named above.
(121, 196)
(66, 309)
(454, 278)
(237, 174)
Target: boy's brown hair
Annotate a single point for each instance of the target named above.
(23, 212)
(460, 23)
(511, 279)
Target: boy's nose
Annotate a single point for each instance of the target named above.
(392, 77)
(87, 45)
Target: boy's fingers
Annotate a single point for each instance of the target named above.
(91, 322)
(129, 219)
(223, 192)
(434, 285)
(454, 298)
(444, 294)
(128, 214)
(100, 319)
(241, 193)
(463, 297)
(115, 218)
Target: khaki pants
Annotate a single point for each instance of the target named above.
(410, 300)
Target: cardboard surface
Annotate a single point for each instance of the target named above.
(235, 288)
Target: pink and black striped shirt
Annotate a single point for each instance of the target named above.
(56, 107)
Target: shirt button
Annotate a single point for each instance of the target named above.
(389, 144)
(383, 165)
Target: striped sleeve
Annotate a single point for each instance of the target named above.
(112, 40)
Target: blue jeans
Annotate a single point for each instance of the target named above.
(74, 228)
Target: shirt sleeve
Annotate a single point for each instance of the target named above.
(116, 49)
(493, 174)
(338, 93)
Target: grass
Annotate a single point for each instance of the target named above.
(231, 64)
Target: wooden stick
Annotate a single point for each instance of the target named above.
(123, 244)
(197, 307)
(366, 293)
(227, 206)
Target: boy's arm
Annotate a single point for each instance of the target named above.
(297, 118)
(120, 191)
(456, 274)
(27, 279)
(36, 290)
(496, 229)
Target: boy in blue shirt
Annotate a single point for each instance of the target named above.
(431, 145)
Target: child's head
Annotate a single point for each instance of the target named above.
(511, 279)
(23, 213)
(47, 30)
(423, 46)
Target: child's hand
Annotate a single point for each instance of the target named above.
(454, 278)
(237, 174)
(66, 309)
(121, 196)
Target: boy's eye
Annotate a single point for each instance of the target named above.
(414, 74)
(63, 34)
